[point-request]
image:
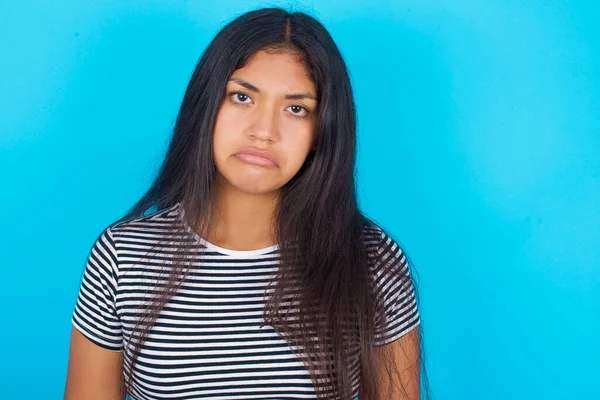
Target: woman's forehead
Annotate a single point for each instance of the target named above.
(274, 72)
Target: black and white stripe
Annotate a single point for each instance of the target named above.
(208, 342)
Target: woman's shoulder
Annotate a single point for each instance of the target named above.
(139, 232)
(378, 240)
(166, 217)
(386, 253)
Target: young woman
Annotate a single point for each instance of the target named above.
(247, 270)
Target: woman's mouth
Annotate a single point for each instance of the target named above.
(252, 159)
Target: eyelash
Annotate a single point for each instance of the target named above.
(229, 94)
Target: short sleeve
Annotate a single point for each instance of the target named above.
(95, 314)
(394, 291)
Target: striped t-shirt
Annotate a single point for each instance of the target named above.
(209, 341)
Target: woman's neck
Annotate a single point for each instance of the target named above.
(243, 221)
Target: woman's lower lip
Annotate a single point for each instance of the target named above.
(265, 162)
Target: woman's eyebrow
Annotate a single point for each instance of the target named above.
(292, 96)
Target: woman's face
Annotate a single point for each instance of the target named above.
(270, 105)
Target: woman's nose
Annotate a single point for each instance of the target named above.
(265, 124)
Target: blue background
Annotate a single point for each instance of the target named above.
(479, 149)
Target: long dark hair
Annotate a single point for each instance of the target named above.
(324, 265)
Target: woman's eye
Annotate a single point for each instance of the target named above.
(298, 111)
(240, 98)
